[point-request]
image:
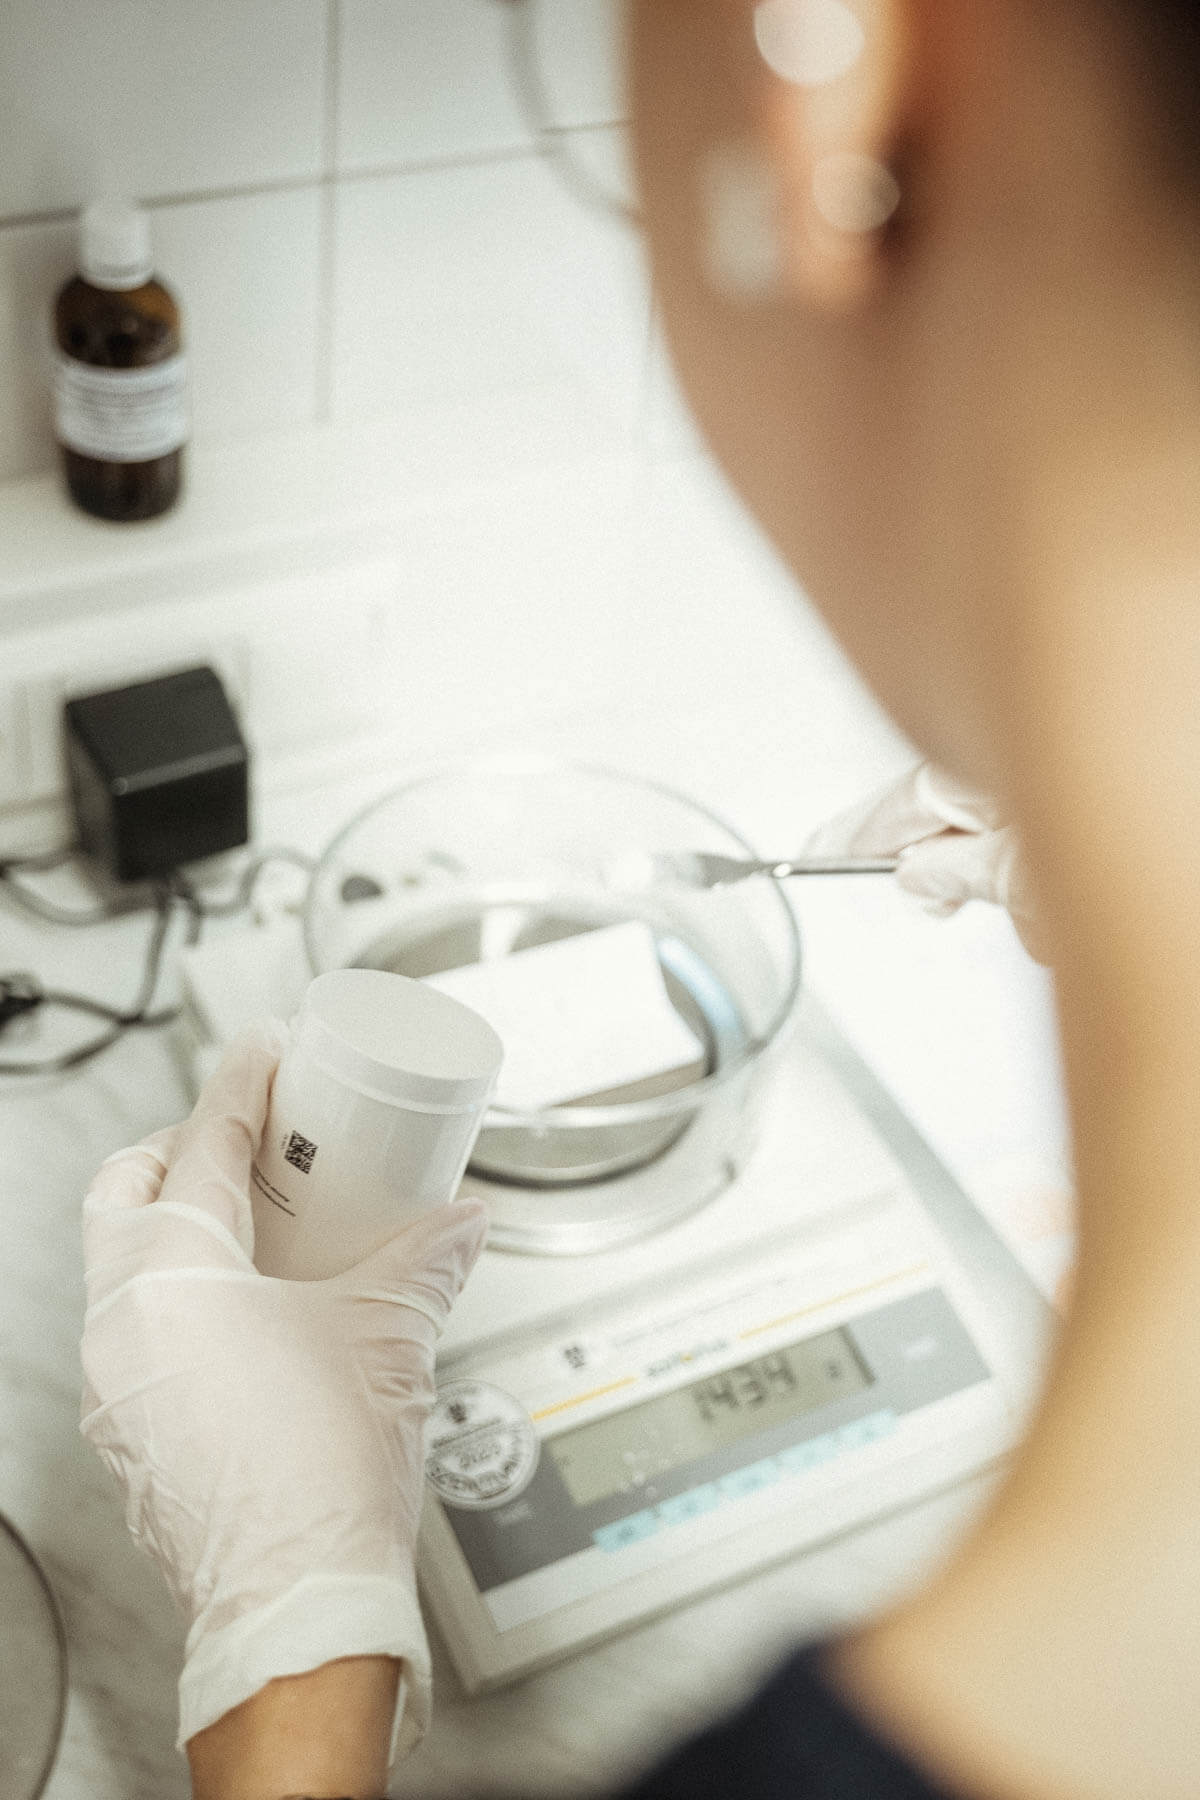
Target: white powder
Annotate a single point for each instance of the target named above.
(580, 1016)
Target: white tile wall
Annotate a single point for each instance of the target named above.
(428, 78)
(344, 196)
(458, 281)
(169, 98)
(422, 79)
(603, 154)
(580, 54)
(34, 262)
(248, 271)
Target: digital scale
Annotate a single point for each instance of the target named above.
(838, 1335)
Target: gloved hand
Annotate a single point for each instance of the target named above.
(950, 842)
(267, 1435)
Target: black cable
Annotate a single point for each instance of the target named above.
(198, 905)
(181, 888)
(243, 893)
(19, 994)
(41, 859)
(22, 995)
(41, 908)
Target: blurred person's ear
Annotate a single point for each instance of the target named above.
(808, 206)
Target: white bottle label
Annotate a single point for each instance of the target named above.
(339, 1172)
(122, 415)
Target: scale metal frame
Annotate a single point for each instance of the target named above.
(923, 1327)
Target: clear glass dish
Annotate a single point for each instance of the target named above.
(486, 858)
(33, 1670)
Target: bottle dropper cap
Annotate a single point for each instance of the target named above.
(115, 247)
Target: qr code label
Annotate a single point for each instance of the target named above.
(300, 1153)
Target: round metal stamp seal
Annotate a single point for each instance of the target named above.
(481, 1446)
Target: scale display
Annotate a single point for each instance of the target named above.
(627, 1449)
(596, 1470)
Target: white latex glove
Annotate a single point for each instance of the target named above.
(950, 842)
(267, 1435)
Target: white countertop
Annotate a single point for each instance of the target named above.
(760, 719)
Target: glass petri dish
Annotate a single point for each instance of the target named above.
(487, 858)
(33, 1670)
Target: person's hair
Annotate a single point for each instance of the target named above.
(1166, 37)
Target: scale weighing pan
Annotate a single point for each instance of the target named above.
(33, 1670)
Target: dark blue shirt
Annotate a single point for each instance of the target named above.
(794, 1740)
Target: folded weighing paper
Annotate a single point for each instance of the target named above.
(577, 1017)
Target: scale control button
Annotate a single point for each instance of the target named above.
(624, 1532)
(682, 1507)
(481, 1446)
(865, 1431)
(750, 1479)
(814, 1451)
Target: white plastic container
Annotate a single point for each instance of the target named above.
(373, 1116)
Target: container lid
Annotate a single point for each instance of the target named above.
(115, 244)
(400, 1039)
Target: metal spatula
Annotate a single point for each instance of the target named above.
(706, 869)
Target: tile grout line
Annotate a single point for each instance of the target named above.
(290, 184)
(327, 228)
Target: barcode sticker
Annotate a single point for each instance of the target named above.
(300, 1153)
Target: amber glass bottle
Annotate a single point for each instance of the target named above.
(121, 386)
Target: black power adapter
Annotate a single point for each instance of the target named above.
(159, 772)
